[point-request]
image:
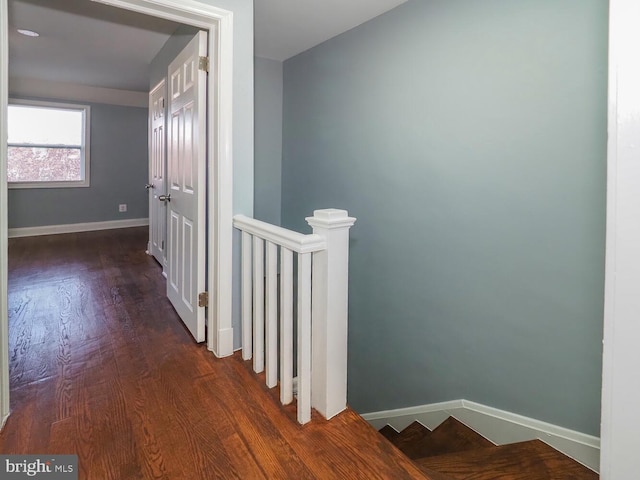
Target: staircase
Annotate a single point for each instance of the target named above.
(453, 451)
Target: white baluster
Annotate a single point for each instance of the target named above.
(258, 304)
(304, 338)
(286, 326)
(247, 295)
(271, 333)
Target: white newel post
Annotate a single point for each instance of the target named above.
(329, 312)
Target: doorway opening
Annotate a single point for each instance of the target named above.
(219, 22)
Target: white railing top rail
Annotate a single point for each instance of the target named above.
(297, 242)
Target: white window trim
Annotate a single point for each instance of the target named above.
(85, 150)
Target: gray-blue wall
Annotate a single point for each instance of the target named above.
(469, 139)
(118, 175)
(268, 140)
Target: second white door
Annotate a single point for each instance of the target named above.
(156, 185)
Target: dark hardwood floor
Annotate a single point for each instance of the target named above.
(102, 367)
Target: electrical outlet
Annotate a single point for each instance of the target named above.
(122, 207)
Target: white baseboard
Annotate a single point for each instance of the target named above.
(76, 227)
(499, 426)
(4, 421)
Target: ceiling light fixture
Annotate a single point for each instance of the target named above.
(28, 33)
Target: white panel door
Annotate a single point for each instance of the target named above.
(157, 167)
(186, 176)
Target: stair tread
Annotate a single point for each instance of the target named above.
(532, 460)
(410, 435)
(449, 437)
(389, 433)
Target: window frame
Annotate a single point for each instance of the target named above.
(85, 148)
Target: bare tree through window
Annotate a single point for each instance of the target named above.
(33, 164)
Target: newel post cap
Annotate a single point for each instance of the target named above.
(331, 218)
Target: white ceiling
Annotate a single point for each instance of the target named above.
(84, 42)
(89, 43)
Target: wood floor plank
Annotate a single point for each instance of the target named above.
(389, 433)
(62, 437)
(411, 435)
(339, 458)
(262, 437)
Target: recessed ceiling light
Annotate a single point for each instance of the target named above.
(28, 33)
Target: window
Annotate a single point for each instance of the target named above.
(48, 145)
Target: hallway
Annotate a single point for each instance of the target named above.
(101, 366)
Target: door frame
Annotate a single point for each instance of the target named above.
(219, 23)
(4, 232)
(620, 420)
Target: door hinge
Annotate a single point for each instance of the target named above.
(203, 64)
(203, 299)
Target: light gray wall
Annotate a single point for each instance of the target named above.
(118, 175)
(268, 140)
(469, 139)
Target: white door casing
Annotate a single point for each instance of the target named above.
(4, 234)
(620, 420)
(186, 184)
(157, 167)
(219, 21)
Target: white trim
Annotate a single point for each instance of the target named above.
(538, 425)
(220, 263)
(76, 227)
(31, 87)
(621, 355)
(499, 426)
(219, 22)
(4, 312)
(386, 415)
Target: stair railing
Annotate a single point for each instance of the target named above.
(321, 308)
